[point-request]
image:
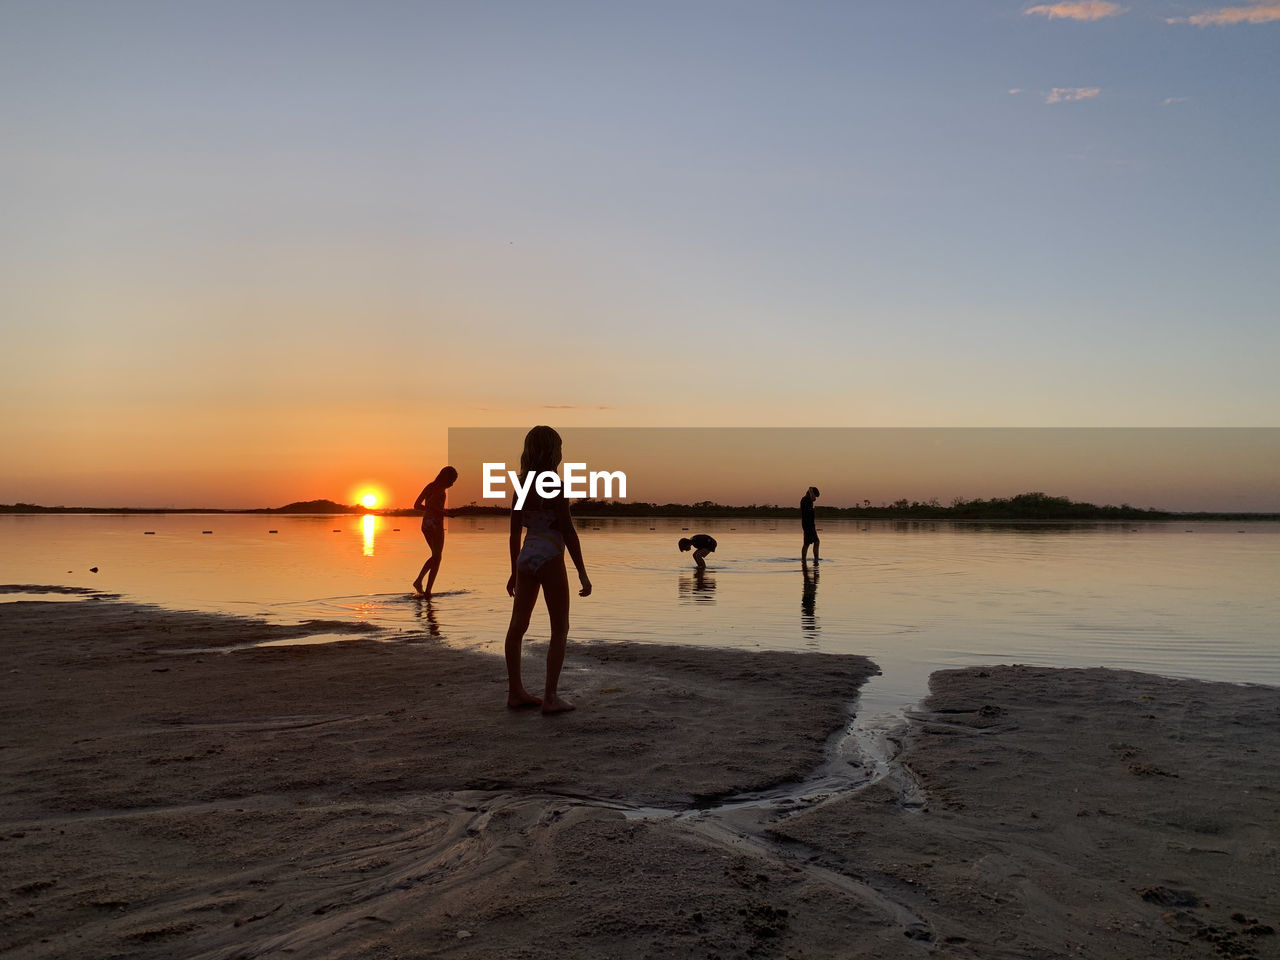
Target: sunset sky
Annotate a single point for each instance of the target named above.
(264, 251)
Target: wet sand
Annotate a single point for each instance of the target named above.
(372, 799)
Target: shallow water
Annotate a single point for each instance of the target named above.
(1183, 599)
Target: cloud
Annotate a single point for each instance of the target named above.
(1071, 94)
(1077, 10)
(573, 406)
(1015, 91)
(1169, 101)
(1262, 11)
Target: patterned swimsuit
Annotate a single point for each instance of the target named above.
(543, 542)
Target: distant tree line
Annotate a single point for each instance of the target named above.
(301, 506)
(1025, 506)
(313, 506)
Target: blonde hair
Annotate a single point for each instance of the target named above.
(542, 446)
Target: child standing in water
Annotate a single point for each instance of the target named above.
(538, 564)
(431, 502)
(701, 545)
(808, 525)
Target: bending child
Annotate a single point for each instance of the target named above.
(701, 545)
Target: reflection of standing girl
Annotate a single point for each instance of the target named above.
(431, 502)
(538, 564)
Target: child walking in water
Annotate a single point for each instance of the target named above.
(431, 502)
(538, 564)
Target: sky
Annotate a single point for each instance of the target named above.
(253, 253)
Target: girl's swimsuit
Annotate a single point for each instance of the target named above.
(543, 542)
(432, 523)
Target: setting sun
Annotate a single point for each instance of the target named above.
(369, 494)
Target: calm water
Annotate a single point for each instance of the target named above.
(1194, 600)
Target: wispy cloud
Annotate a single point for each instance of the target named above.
(1076, 10)
(573, 406)
(1015, 91)
(1261, 11)
(1170, 101)
(1071, 94)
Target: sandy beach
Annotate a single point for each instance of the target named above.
(159, 798)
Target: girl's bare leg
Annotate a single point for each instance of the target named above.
(437, 551)
(431, 566)
(697, 558)
(555, 590)
(521, 609)
(417, 583)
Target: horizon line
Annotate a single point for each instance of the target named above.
(901, 506)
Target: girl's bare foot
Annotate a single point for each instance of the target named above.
(522, 701)
(555, 704)
(417, 586)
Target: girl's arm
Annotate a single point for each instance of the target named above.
(513, 545)
(421, 502)
(572, 544)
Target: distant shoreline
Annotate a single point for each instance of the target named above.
(1033, 508)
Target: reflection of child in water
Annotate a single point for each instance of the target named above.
(701, 545)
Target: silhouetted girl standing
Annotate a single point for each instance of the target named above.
(538, 564)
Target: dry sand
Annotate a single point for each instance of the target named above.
(371, 799)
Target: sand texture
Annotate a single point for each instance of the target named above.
(1062, 813)
(376, 799)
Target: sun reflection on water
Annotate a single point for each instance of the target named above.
(369, 524)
